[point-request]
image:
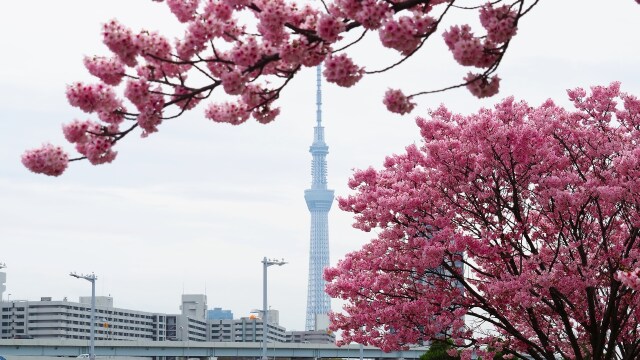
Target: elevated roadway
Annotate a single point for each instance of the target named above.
(194, 349)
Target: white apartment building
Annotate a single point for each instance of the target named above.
(72, 320)
(246, 329)
(311, 336)
(49, 318)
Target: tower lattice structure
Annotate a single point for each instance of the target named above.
(319, 200)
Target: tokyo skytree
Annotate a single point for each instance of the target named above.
(319, 200)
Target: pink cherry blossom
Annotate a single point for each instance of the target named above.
(153, 45)
(137, 91)
(76, 131)
(246, 54)
(630, 278)
(341, 70)
(189, 102)
(183, 9)
(92, 140)
(222, 10)
(370, 13)
(109, 70)
(120, 40)
(272, 17)
(115, 116)
(232, 113)
(265, 114)
(92, 97)
(313, 54)
(467, 49)
(481, 86)
(397, 102)
(48, 159)
(151, 112)
(97, 149)
(329, 28)
(405, 33)
(499, 22)
(524, 217)
(233, 82)
(248, 51)
(237, 3)
(294, 52)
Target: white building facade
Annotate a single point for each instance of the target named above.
(63, 319)
(72, 320)
(245, 329)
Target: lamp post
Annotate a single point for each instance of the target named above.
(265, 264)
(3, 278)
(92, 279)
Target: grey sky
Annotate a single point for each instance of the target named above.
(197, 205)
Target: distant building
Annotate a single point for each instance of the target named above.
(101, 301)
(53, 319)
(311, 336)
(273, 316)
(72, 320)
(194, 306)
(180, 327)
(219, 314)
(246, 329)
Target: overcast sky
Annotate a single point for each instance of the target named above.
(196, 206)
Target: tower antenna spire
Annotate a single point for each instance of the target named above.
(319, 200)
(318, 95)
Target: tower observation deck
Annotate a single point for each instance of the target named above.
(319, 200)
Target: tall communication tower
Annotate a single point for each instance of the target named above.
(319, 200)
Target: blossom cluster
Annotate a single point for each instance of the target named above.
(92, 140)
(500, 22)
(109, 70)
(329, 28)
(397, 102)
(467, 49)
(482, 87)
(630, 278)
(49, 160)
(251, 49)
(406, 33)
(92, 97)
(370, 13)
(497, 217)
(120, 40)
(232, 113)
(341, 70)
(184, 10)
(483, 51)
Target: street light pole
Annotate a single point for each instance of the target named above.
(92, 338)
(2, 280)
(265, 264)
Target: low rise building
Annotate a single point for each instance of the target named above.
(246, 329)
(219, 314)
(48, 318)
(311, 337)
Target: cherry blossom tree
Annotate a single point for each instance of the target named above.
(247, 51)
(510, 230)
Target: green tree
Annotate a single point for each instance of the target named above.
(438, 351)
